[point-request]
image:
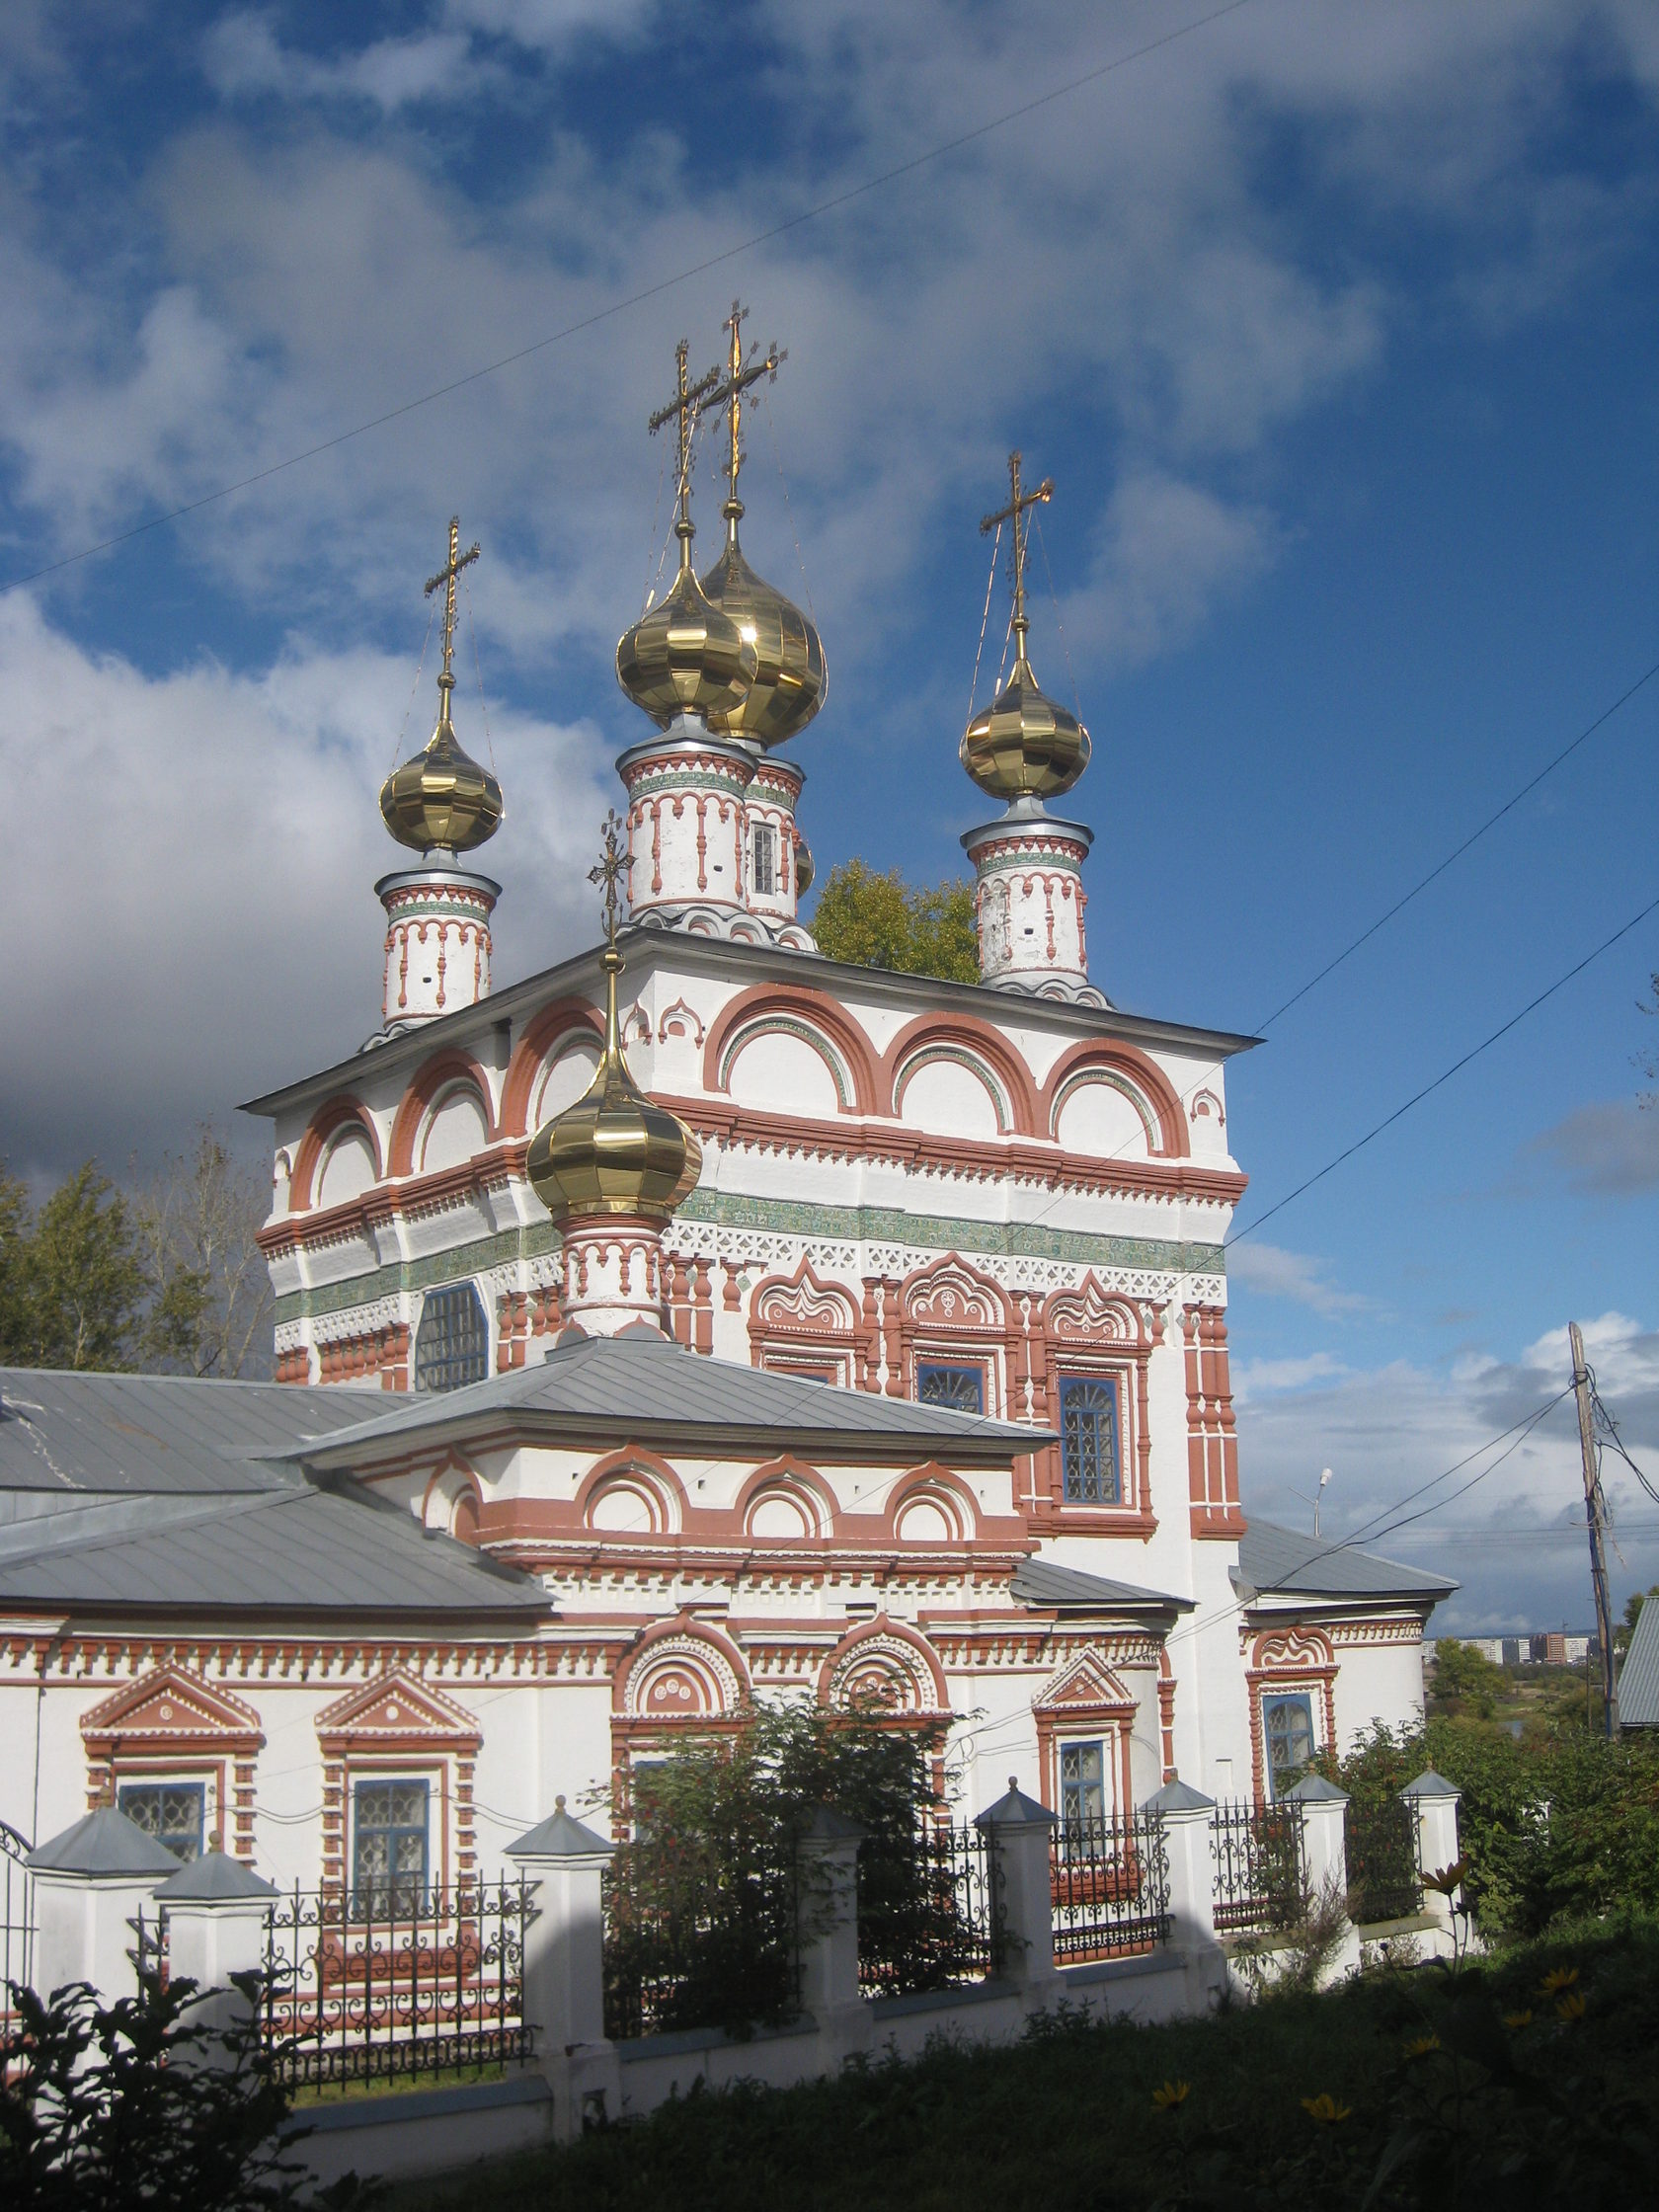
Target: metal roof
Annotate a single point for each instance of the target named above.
(1275, 1561)
(104, 1842)
(294, 1548)
(1639, 1678)
(726, 957)
(151, 1432)
(632, 1386)
(1040, 1582)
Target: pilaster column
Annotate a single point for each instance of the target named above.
(1189, 1843)
(216, 1913)
(827, 1915)
(1021, 1832)
(91, 1883)
(1325, 1838)
(564, 1968)
(1434, 1807)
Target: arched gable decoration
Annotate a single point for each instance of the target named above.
(887, 1664)
(1088, 1331)
(966, 1037)
(786, 1484)
(1085, 1700)
(936, 1505)
(632, 1473)
(395, 1718)
(453, 1500)
(172, 1719)
(1290, 1658)
(565, 1017)
(326, 1123)
(803, 1322)
(951, 1312)
(810, 1015)
(435, 1074)
(681, 1670)
(1138, 1077)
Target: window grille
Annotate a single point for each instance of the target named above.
(170, 1812)
(1082, 1790)
(763, 871)
(1288, 1723)
(389, 1850)
(1089, 1440)
(960, 1388)
(452, 1343)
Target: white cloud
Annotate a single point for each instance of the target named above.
(1511, 1529)
(1277, 1273)
(244, 58)
(1259, 1378)
(189, 884)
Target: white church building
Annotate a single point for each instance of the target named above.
(696, 1322)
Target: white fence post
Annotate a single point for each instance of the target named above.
(564, 1968)
(216, 1913)
(826, 1912)
(1020, 1833)
(1324, 1834)
(1434, 1807)
(91, 1883)
(1186, 1814)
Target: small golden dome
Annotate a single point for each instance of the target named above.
(615, 1151)
(1024, 745)
(686, 657)
(791, 677)
(441, 797)
(804, 869)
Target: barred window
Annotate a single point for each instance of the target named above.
(389, 1850)
(170, 1812)
(1288, 1724)
(960, 1388)
(1083, 1791)
(452, 1343)
(763, 871)
(1088, 1440)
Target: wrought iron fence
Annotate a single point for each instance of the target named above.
(930, 1909)
(1385, 1881)
(17, 1916)
(1109, 1883)
(698, 1935)
(1259, 1870)
(353, 1994)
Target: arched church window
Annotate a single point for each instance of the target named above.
(763, 871)
(1088, 1440)
(961, 1389)
(452, 1343)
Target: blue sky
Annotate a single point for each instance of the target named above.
(1335, 326)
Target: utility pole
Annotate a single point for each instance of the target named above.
(1595, 1512)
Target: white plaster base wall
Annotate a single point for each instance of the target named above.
(427, 2131)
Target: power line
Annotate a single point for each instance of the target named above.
(663, 284)
(1417, 1097)
(1473, 838)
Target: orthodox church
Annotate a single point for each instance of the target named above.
(695, 1321)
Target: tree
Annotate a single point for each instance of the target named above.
(1465, 1678)
(1627, 1628)
(78, 1292)
(873, 921)
(210, 1292)
(1646, 1062)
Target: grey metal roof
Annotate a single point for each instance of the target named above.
(148, 1433)
(634, 1386)
(294, 1548)
(214, 1878)
(726, 957)
(103, 1843)
(1639, 1678)
(1040, 1582)
(1275, 1561)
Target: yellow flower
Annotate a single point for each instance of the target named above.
(1171, 2095)
(1518, 2020)
(1557, 1979)
(1570, 2006)
(1325, 2108)
(1421, 2045)
(1448, 1878)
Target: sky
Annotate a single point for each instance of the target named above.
(1334, 325)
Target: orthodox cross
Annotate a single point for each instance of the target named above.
(609, 871)
(686, 405)
(1014, 513)
(729, 394)
(447, 576)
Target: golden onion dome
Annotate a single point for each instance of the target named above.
(791, 677)
(804, 869)
(685, 656)
(615, 1151)
(443, 796)
(1024, 745)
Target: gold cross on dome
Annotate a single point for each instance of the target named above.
(1014, 513)
(446, 574)
(609, 871)
(730, 393)
(684, 406)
